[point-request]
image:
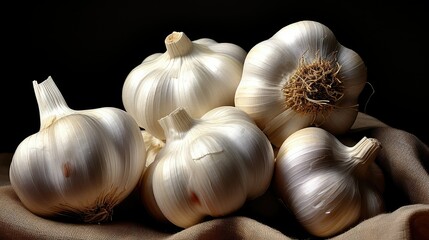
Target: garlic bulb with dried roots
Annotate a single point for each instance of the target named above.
(197, 75)
(81, 163)
(327, 185)
(209, 166)
(301, 76)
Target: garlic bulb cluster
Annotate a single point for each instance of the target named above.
(301, 76)
(197, 75)
(329, 186)
(81, 163)
(209, 166)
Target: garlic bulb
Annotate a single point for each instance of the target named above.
(301, 76)
(208, 166)
(197, 75)
(329, 186)
(80, 163)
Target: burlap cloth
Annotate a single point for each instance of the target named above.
(404, 159)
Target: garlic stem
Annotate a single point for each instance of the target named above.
(178, 44)
(176, 123)
(51, 102)
(363, 154)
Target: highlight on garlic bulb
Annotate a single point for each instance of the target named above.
(189, 72)
(301, 76)
(329, 186)
(81, 163)
(209, 166)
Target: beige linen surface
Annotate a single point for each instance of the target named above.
(404, 159)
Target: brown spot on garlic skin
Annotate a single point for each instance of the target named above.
(194, 198)
(67, 169)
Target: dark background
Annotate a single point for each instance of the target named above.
(89, 47)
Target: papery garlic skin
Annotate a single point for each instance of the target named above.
(197, 75)
(81, 163)
(327, 185)
(208, 166)
(153, 146)
(283, 86)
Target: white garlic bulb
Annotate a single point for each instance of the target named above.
(81, 163)
(198, 75)
(301, 76)
(208, 166)
(329, 186)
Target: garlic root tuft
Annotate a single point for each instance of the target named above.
(314, 87)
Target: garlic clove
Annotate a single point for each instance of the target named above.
(153, 146)
(229, 49)
(145, 188)
(277, 130)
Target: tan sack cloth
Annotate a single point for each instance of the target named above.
(404, 159)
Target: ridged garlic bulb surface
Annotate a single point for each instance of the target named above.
(327, 185)
(208, 167)
(81, 163)
(197, 75)
(301, 76)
